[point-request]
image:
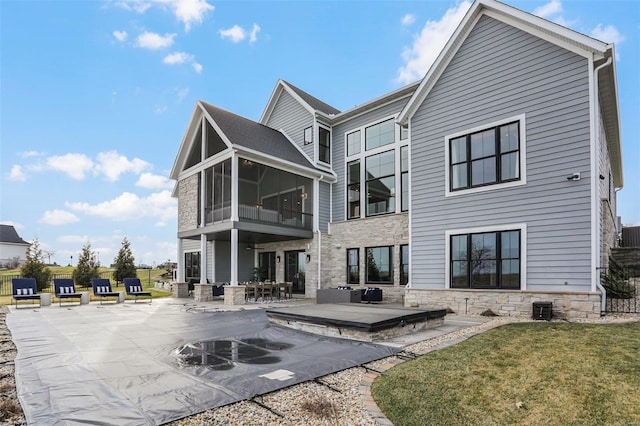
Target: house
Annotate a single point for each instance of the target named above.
(13, 249)
(489, 184)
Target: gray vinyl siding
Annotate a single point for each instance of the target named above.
(339, 150)
(292, 118)
(324, 206)
(501, 72)
(190, 245)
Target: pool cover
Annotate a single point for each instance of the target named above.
(150, 364)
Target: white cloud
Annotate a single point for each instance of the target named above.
(151, 181)
(608, 34)
(197, 67)
(139, 6)
(73, 239)
(120, 35)
(177, 58)
(548, 10)
(58, 217)
(149, 40)
(191, 11)
(429, 43)
(17, 174)
(161, 109)
(74, 165)
(408, 19)
(159, 206)
(235, 33)
(182, 93)
(253, 36)
(31, 154)
(112, 165)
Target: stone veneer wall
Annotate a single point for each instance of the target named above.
(506, 303)
(188, 203)
(609, 234)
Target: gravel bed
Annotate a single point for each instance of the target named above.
(335, 401)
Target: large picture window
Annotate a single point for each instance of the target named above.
(380, 134)
(380, 265)
(404, 264)
(381, 183)
(485, 157)
(353, 143)
(353, 266)
(486, 260)
(404, 178)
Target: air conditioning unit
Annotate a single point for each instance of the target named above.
(542, 310)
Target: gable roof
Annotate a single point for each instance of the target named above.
(309, 102)
(245, 135)
(9, 235)
(578, 43)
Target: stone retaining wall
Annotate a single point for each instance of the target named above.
(506, 303)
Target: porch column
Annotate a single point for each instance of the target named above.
(203, 258)
(234, 189)
(180, 262)
(234, 257)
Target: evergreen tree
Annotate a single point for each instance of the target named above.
(35, 267)
(87, 267)
(124, 263)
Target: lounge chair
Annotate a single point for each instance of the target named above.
(133, 287)
(64, 288)
(102, 289)
(25, 289)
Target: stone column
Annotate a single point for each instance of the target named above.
(180, 290)
(203, 292)
(234, 295)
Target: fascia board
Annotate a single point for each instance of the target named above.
(183, 150)
(298, 98)
(273, 100)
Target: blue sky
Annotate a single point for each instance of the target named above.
(96, 95)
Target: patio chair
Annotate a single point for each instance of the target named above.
(102, 289)
(133, 287)
(25, 289)
(64, 288)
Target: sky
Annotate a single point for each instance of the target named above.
(96, 95)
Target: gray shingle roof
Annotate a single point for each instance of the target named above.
(8, 234)
(314, 102)
(249, 134)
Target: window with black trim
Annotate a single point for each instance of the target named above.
(404, 178)
(192, 265)
(486, 157)
(380, 134)
(381, 183)
(267, 264)
(379, 265)
(324, 145)
(308, 135)
(488, 260)
(353, 189)
(404, 264)
(353, 266)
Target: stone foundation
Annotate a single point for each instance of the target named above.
(203, 292)
(180, 290)
(234, 295)
(505, 303)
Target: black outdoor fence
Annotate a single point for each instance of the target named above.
(5, 281)
(623, 289)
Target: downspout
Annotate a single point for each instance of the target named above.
(603, 292)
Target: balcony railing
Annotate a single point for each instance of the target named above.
(284, 218)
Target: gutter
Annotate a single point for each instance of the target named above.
(603, 292)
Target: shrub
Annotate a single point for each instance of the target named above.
(87, 267)
(35, 267)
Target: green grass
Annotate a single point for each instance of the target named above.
(524, 374)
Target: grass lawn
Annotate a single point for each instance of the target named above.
(524, 374)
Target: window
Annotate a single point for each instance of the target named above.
(353, 143)
(404, 264)
(324, 145)
(404, 133)
(486, 260)
(380, 265)
(353, 189)
(485, 157)
(192, 265)
(267, 264)
(353, 266)
(404, 178)
(308, 135)
(380, 134)
(380, 183)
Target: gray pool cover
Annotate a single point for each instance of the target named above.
(151, 364)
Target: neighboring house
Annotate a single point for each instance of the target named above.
(489, 184)
(13, 249)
